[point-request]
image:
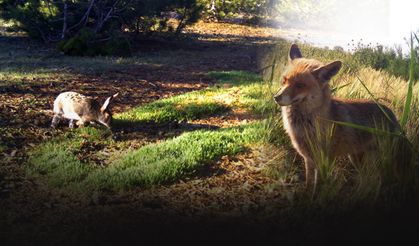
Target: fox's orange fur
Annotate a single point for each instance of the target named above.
(306, 99)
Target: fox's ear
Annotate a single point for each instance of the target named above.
(294, 52)
(108, 102)
(326, 72)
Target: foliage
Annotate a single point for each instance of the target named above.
(221, 9)
(388, 59)
(83, 44)
(91, 27)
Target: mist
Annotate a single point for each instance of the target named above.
(349, 24)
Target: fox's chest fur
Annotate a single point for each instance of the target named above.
(298, 125)
(303, 126)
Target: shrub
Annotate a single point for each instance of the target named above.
(388, 59)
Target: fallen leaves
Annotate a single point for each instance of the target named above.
(234, 185)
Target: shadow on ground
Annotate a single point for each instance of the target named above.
(33, 74)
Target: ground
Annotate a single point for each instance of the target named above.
(232, 200)
(161, 69)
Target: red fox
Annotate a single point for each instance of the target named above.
(306, 98)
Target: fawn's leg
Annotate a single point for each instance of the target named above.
(71, 123)
(55, 120)
(80, 123)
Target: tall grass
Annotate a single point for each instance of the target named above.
(328, 181)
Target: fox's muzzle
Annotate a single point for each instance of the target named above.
(283, 98)
(286, 98)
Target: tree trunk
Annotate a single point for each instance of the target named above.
(65, 20)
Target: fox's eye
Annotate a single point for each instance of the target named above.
(300, 85)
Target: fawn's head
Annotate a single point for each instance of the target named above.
(305, 80)
(105, 114)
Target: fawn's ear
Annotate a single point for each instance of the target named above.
(326, 72)
(108, 101)
(294, 52)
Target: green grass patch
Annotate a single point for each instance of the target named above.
(255, 94)
(187, 106)
(235, 89)
(235, 77)
(162, 162)
(22, 78)
(173, 159)
(57, 160)
(157, 163)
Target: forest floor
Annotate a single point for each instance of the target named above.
(230, 201)
(34, 74)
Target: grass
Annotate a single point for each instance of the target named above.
(57, 160)
(235, 89)
(162, 162)
(174, 159)
(153, 164)
(19, 64)
(183, 107)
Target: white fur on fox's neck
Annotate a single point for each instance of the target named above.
(299, 118)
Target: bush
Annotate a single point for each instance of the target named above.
(118, 45)
(386, 59)
(84, 44)
(79, 44)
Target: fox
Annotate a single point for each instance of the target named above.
(82, 109)
(306, 99)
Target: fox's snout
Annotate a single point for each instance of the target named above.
(284, 97)
(283, 100)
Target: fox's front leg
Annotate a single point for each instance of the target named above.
(310, 168)
(356, 159)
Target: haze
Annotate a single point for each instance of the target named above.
(347, 23)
